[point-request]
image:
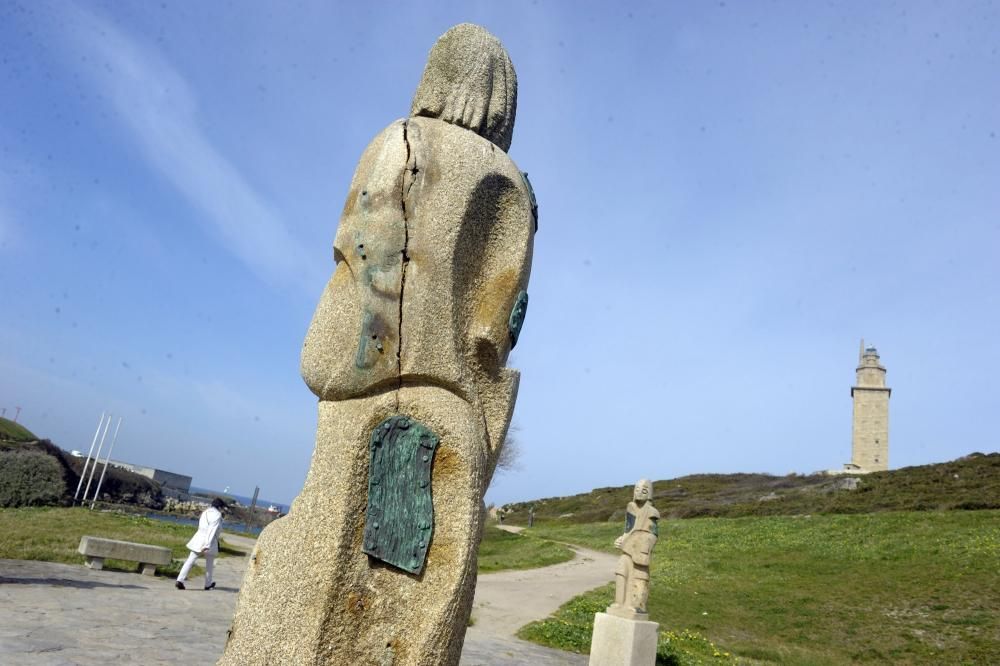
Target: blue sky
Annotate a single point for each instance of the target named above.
(731, 195)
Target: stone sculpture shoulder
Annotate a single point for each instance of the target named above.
(447, 200)
(359, 309)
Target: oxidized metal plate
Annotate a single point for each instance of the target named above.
(400, 516)
(531, 196)
(517, 314)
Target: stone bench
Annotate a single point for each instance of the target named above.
(96, 550)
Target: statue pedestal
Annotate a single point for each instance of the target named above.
(621, 642)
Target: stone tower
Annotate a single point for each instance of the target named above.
(870, 430)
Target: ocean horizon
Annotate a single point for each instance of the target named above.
(242, 499)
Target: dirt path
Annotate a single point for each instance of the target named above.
(513, 529)
(507, 600)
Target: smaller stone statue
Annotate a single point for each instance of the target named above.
(636, 544)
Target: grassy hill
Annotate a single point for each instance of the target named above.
(972, 482)
(913, 587)
(14, 432)
(889, 567)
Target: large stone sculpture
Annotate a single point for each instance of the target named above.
(636, 544)
(624, 635)
(376, 561)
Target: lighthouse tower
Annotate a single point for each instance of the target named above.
(870, 432)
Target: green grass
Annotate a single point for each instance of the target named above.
(14, 432)
(570, 629)
(972, 482)
(891, 587)
(500, 551)
(53, 535)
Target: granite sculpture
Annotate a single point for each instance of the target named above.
(624, 635)
(636, 544)
(376, 561)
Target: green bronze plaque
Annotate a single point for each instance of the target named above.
(531, 196)
(516, 319)
(400, 516)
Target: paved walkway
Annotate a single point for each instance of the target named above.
(54, 614)
(508, 600)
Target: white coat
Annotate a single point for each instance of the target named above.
(207, 536)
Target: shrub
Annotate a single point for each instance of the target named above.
(30, 478)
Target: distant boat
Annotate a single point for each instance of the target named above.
(273, 509)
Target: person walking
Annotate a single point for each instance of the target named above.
(204, 542)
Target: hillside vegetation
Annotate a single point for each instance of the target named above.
(972, 482)
(14, 432)
(37, 472)
(915, 587)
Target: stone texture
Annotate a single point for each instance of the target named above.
(433, 247)
(870, 423)
(96, 550)
(621, 642)
(311, 585)
(54, 614)
(636, 544)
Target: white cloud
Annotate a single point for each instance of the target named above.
(159, 109)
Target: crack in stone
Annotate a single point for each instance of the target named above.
(405, 258)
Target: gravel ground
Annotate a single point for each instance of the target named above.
(54, 614)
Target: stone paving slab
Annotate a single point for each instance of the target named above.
(67, 614)
(54, 614)
(482, 649)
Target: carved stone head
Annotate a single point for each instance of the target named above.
(469, 81)
(643, 490)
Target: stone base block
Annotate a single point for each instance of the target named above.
(147, 569)
(95, 563)
(621, 642)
